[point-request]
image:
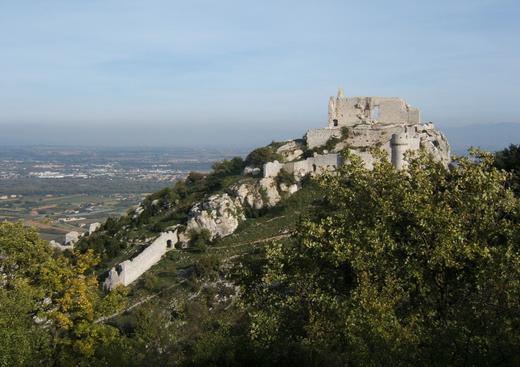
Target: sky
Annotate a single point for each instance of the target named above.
(243, 73)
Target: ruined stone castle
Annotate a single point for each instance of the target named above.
(358, 124)
(354, 123)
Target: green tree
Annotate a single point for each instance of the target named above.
(509, 160)
(228, 167)
(418, 267)
(49, 303)
(260, 156)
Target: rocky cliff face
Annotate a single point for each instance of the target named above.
(219, 214)
(257, 194)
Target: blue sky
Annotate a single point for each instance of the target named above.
(245, 72)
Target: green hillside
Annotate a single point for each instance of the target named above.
(359, 268)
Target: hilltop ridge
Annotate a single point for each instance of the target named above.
(207, 208)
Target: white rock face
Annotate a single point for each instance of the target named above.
(219, 214)
(59, 246)
(257, 194)
(291, 189)
(271, 194)
(290, 151)
(71, 238)
(252, 171)
(138, 211)
(247, 194)
(93, 227)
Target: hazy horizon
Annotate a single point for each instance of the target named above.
(202, 73)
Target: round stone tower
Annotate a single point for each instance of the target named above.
(399, 145)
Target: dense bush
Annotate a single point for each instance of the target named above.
(199, 240)
(260, 156)
(228, 167)
(509, 160)
(207, 266)
(396, 268)
(285, 177)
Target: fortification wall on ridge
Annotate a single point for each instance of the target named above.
(129, 270)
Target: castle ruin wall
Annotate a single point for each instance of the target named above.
(128, 271)
(318, 137)
(312, 165)
(351, 111)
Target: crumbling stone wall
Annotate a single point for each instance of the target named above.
(351, 111)
(129, 270)
(387, 123)
(318, 137)
(312, 165)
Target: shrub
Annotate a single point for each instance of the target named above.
(285, 177)
(403, 268)
(509, 160)
(207, 266)
(228, 167)
(260, 156)
(199, 240)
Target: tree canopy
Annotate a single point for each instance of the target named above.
(387, 267)
(416, 267)
(49, 303)
(509, 160)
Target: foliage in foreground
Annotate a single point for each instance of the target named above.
(391, 268)
(49, 303)
(509, 160)
(399, 268)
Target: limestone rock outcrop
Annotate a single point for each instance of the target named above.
(71, 238)
(247, 194)
(220, 214)
(270, 191)
(291, 150)
(256, 194)
(93, 227)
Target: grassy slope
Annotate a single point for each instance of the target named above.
(182, 275)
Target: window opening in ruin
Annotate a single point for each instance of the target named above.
(314, 168)
(169, 243)
(119, 269)
(375, 113)
(335, 122)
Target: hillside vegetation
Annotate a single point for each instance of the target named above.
(358, 268)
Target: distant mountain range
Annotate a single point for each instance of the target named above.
(490, 137)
